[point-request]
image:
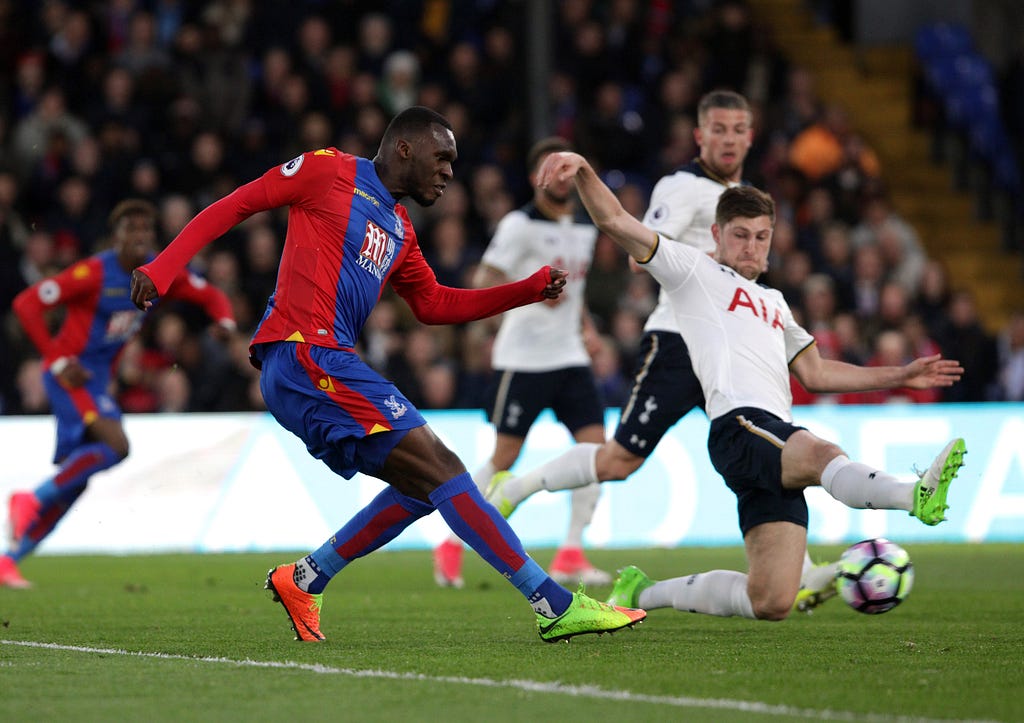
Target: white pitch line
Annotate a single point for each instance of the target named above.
(532, 686)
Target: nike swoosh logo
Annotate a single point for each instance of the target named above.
(546, 628)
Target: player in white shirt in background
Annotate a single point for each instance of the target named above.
(540, 357)
(744, 343)
(682, 208)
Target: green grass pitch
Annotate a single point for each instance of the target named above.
(195, 637)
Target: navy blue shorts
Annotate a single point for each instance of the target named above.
(515, 399)
(349, 416)
(746, 448)
(665, 389)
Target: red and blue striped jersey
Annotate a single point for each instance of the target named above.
(347, 237)
(346, 234)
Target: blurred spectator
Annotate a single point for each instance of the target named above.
(820, 150)
(878, 217)
(141, 56)
(1011, 359)
(892, 348)
(439, 382)
(868, 277)
(962, 337)
(75, 220)
(262, 255)
(837, 262)
(375, 37)
(448, 252)
(38, 260)
(381, 336)
(819, 303)
(796, 269)
(398, 88)
(920, 341)
(893, 307)
(850, 341)
(933, 295)
(612, 134)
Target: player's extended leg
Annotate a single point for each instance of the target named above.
(420, 457)
(33, 515)
(83, 450)
(665, 390)
(448, 554)
(413, 468)
(775, 553)
(299, 586)
(808, 460)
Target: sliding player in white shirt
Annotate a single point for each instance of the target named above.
(665, 389)
(744, 342)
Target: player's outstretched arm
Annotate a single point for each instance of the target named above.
(432, 303)
(604, 208)
(828, 376)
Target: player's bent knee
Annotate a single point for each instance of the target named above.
(774, 610)
(769, 604)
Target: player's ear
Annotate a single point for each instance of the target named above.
(403, 149)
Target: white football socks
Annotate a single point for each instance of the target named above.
(862, 487)
(718, 592)
(584, 502)
(574, 468)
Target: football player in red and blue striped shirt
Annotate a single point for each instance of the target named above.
(347, 237)
(99, 320)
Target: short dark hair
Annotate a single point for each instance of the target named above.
(743, 202)
(130, 207)
(413, 121)
(727, 99)
(545, 147)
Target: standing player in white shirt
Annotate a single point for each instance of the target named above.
(540, 357)
(744, 343)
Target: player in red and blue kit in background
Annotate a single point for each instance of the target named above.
(347, 237)
(99, 320)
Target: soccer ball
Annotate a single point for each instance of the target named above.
(874, 576)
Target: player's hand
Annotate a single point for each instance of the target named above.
(143, 290)
(556, 285)
(73, 374)
(932, 371)
(558, 167)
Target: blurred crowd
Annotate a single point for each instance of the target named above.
(179, 102)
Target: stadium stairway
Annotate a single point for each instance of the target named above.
(874, 85)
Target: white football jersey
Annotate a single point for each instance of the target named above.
(741, 335)
(541, 337)
(682, 209)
